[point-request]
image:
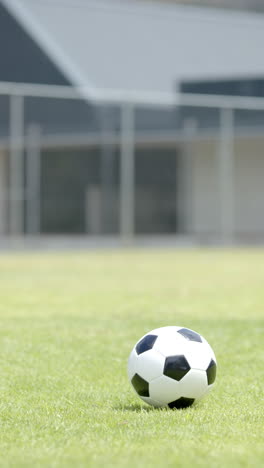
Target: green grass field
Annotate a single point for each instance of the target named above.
(68, 323)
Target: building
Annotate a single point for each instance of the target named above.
(250, 5)
(121, 154)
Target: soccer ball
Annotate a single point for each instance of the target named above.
(172, 367)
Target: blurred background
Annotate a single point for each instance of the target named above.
(132, 120)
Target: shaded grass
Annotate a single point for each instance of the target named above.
(67, 325)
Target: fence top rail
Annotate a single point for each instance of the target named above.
(122, 97)
(107, 96)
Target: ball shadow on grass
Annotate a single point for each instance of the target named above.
(135, 408)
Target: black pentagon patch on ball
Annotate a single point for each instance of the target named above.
(140, 385)
(181, 403)
(146, 343)
(176, 367)
(211, 372)
(190, 334)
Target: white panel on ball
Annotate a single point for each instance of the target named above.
(132, 364)
(150, 364)
(152, 402)
(194, 384)
(198, 355)
(170, 343)
(209, 348)
(164, 389)
(169, 347)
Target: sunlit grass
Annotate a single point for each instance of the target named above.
(67, 325)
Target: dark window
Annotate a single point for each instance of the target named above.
(235, 87)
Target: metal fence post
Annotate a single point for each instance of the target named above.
(107, 172)
(226, 174)
(127, 182)
(185, 178)
(33, 176)
(16, 157)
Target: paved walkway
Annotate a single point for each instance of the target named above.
(46, 243)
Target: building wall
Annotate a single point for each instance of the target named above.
(71, 179)
(205, 193)
(248, 189)
(255, 5)
(80, 191)
(3, 187)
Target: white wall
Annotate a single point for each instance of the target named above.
(205, 190)
(3, 187)
(248, 188)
